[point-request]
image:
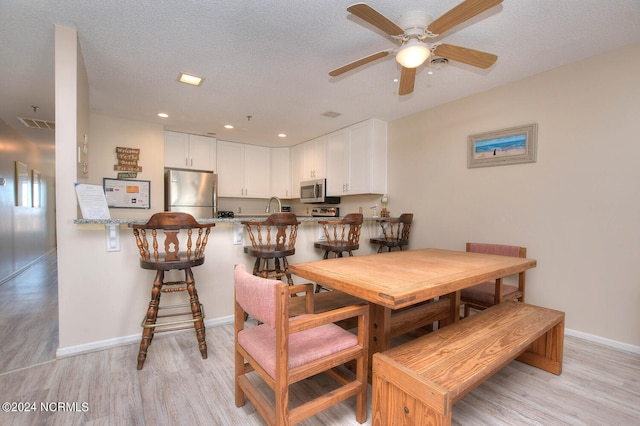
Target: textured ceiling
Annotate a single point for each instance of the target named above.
(270, 59)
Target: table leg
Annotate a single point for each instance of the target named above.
(454, 309)
(379, 329)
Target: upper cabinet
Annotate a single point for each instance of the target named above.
(281, 172)
(314, 159)
(244, 171)
(356, 161)
(186, 151)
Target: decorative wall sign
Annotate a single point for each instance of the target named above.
(23, 186)
(514, 145)
(127, 193)
(127, 162)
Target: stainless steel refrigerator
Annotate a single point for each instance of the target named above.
(190, 191)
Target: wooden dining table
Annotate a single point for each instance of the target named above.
(399, 279)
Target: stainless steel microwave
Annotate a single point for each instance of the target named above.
(314, 192)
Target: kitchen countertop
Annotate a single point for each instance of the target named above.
(218, 220)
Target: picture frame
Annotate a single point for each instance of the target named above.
(515, 145)
(127, 193)
(36, 189)
(23, 186)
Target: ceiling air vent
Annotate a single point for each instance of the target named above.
(35, 123)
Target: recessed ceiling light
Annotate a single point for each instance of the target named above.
(190, 79)
(331, 114)
(282, 135)
(228, 126)
(163, 115)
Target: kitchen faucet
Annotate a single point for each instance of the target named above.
(269, 204)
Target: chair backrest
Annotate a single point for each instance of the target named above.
(171, 224)
(499, 249)
(278, 232)
(345, 232)
(397, 229)
(256, 295)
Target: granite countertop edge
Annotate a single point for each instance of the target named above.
(218, 220)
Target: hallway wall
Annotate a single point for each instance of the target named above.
(26, 233)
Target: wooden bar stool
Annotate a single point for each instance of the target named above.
(272, 239)
(340, 235)
(395, 232)
(175, 251)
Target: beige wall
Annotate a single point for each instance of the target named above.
(577, 209)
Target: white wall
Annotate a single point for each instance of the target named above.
(576, 209)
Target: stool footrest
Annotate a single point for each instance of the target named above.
(162, 326)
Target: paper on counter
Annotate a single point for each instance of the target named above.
(93, 203)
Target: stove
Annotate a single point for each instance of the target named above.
(325, 212)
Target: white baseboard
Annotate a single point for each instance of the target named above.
(603, 341)
(125, 340)
(119, 341)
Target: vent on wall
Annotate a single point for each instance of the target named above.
(35, 123)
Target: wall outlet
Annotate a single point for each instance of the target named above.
(238, 230)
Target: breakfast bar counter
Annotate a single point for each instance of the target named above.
(124, 286)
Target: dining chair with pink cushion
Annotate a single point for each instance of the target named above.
(491, 293)
(283, 351)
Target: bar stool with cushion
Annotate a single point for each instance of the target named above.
(272, 239)
(175, 250)
(395, 232)
(491, 293)
(340, 235)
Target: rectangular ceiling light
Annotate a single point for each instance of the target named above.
(190, 79)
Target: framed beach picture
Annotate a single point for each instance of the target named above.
(514, 145)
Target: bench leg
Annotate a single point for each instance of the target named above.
(546, 352)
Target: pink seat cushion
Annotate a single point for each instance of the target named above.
(304, 347)
(484, 293)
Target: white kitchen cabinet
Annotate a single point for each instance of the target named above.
(244, 171)
(314, 159)
(357, 159)
(337, 162)
(297, 161)
(281, 173)
(186, 151)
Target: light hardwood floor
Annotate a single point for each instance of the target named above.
(599, 386)
(29, 315)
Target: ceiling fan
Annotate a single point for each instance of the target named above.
(412, 31)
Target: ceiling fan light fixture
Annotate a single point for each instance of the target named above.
(413, 54)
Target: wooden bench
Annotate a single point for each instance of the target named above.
(402, 320)
(418, 382)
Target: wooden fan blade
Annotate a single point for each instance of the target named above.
(359, 62)
(407, 80)
(466, 56)
(462, 12)
(375, 18)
